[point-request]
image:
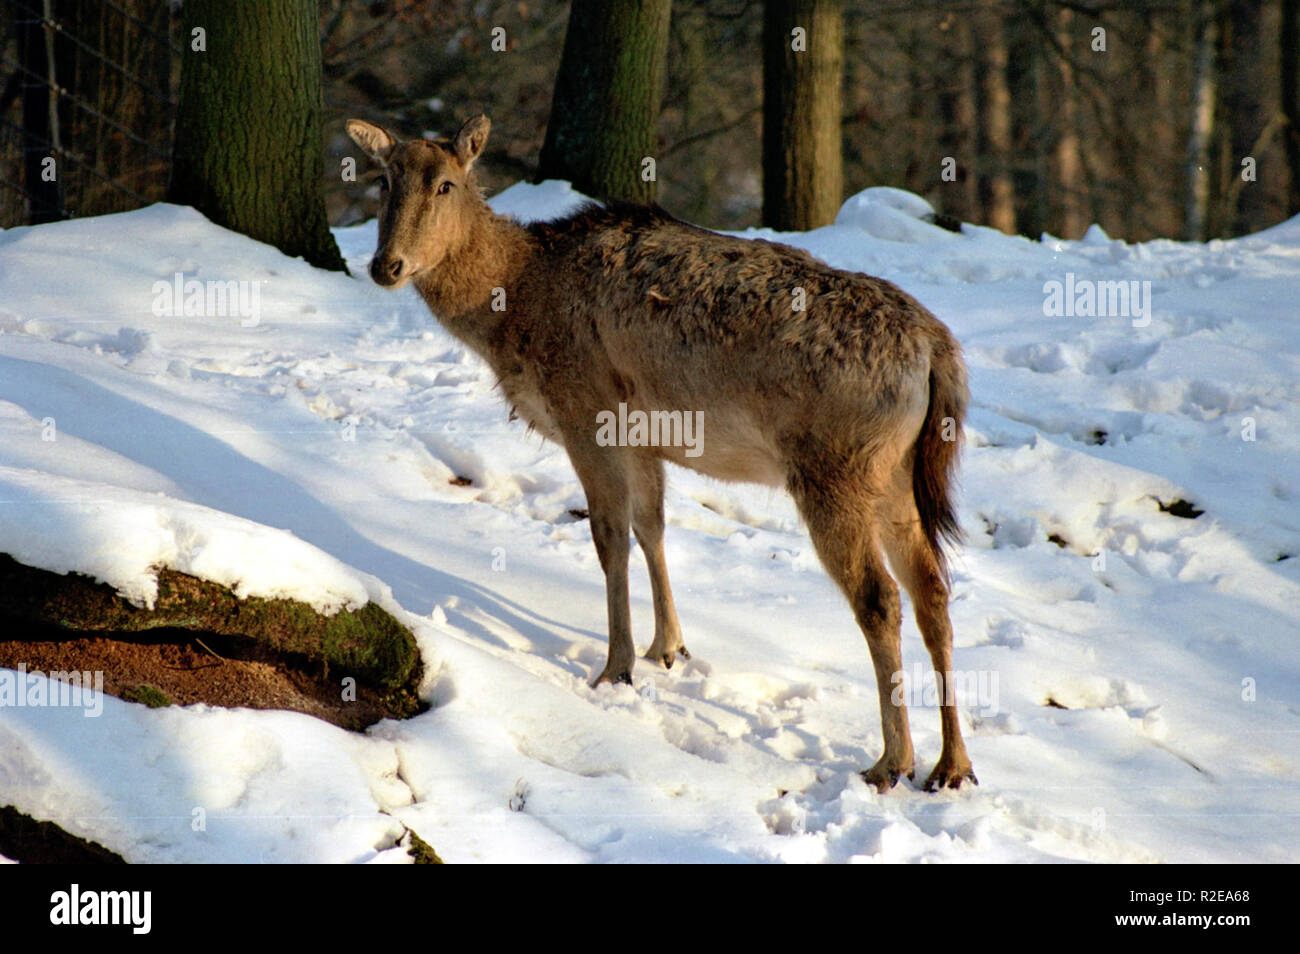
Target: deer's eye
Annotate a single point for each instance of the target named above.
(444, 187)
(383, 184)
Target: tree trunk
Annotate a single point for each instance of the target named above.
(803, 179)
(249, 152)
(959, 131)
(1067, 162)
(997, 190)
(602, 133)
(1290, 56)
(1244, 113)
(1155, 201)
(1202, 125)
(1030, 88)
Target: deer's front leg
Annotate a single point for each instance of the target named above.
(647, 485)
(603, 473)
(611, 535)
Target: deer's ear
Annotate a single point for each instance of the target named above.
(471, 139)
(376, 141)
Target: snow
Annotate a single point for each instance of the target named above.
(310, 452)
(121, 536)
(201, 784)
(892, 215)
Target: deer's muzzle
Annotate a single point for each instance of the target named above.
(387, 270)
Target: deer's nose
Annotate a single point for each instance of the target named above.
(386, 269)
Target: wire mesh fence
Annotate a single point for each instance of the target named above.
(86, 106)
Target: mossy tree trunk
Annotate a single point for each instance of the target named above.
(248, 151)
(607, 98)
(803, 70)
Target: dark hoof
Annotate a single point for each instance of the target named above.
(668, 658)
(882, 780)
(625, 677)
(939, 780)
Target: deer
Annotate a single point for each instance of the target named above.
(838, 387)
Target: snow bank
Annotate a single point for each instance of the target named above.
(122, 537)
(892, 215)
(279, 455)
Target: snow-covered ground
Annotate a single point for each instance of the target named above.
(306, 447)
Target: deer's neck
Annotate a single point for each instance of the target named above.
(463, 289)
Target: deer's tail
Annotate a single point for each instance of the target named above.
(934, 470)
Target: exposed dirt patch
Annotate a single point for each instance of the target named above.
(31, 842)
(172, 666)
(201, 643)
(1180, 508)
(366, 642)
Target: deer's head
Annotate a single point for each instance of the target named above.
(428, 198)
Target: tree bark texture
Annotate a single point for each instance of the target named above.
(803, 180)
(248, 150)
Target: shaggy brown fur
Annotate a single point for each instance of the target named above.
(839, 387)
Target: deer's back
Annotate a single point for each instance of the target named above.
(629, 304)
(663, 294)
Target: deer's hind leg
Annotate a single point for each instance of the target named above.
(841, 513)
(914, 561)
(647, 484)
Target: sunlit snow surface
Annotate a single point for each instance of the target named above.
(310, 454)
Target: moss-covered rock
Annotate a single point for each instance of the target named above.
(147, 695)
(421, 851)
(367, 643)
